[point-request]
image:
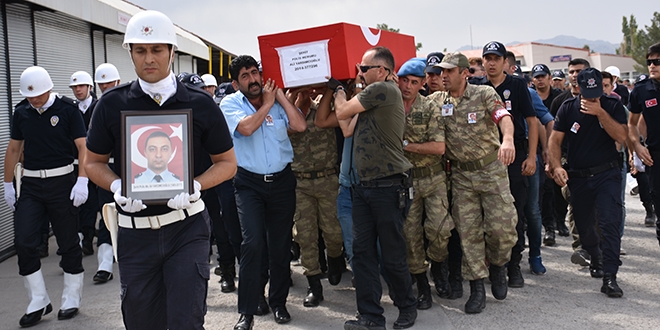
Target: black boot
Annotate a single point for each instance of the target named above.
(649, 220)
(549, 237)
(562, 229)
(314, 291)
(227, 276)
(596, 267)
(498, 281)
(515, 275)
(610, 288)
(424, 299)
(440, 275)
(262, 307)
(335, 267)
(455, 280)
(477, 301)
(43, 247)
(88, 237)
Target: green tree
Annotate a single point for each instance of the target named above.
(636, 41)
(385, 27)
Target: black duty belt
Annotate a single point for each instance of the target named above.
(589, 172)
(315, 174)
(422, 172)
(404, 179)
(475, 165)
(266, 177)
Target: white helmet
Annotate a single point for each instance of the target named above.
(613, 71)
(209, 80)
(149, 27)
(35, 81)
(80, 78)
(106, 73)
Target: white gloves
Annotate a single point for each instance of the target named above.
(10, 195)
(127, 204)
(184, 200)
(79, 191)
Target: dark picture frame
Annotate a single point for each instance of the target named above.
(145, 173)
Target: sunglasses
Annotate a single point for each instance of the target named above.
(365, 68)
(655, 61)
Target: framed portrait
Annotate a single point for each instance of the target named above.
(156, 160)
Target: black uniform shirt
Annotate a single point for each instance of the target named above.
(623, 92)
(48, 136)
(589, 145)
(645, 99)
(518, 102)
(210, 132)
(551, 97)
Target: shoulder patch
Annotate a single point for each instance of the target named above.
(138, 175)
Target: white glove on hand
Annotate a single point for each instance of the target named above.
(184, 200)
(127, 204)
(79, 192)
(10, 195)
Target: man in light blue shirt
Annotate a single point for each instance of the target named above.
(258, 118)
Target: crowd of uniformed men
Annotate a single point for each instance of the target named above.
(444, 165)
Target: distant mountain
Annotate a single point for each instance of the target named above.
(599, 46)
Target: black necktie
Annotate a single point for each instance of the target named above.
(158, 178)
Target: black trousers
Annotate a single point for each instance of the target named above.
(519, 185)
(47, 199)
(265, 210)
(227, 230)
(103, 235)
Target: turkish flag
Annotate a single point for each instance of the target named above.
(651, 103)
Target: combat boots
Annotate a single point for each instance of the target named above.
(314, 291)
(336, 266)
(610, 288)
(424, 299)
(440, 275)
(498, 281)
(515, 275)
(455, 279)
(649, 220)
(227, 276)
(477, 301)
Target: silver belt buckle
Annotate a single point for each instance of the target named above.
(268, 178)
(42, 174)
(154, 222)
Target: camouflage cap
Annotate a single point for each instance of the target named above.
(453, 60)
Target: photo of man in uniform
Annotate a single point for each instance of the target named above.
(158, 151)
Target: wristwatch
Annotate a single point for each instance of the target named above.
(339, 88)
(405, 143)
(359, 85)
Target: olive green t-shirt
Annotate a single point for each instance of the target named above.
(378, 135)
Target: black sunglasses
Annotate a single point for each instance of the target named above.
(365, 68)
(655, 61)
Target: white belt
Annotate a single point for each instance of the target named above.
(157, 221)
(112, 160)
(53, 172)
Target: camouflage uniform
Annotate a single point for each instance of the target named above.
(429, 181)
(483, 208)
(315, 167)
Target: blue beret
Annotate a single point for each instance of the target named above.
(414, 67)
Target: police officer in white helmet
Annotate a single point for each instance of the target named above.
(164, 281)
(48, 127)
(210, 83)
(107, 76)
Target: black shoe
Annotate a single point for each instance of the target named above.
(498, 281)
(649, 220)
(362, 324)
(405, 320)
(581, 257)
(477, 301)
(314, 291)
(610, 288)
(424, 299)
(549, 238)
(87, 246)
(65, 314)
(281, 315)
(33, 318)
(516, 279)
(596, 268)
(102, 276)
(440, 275)
(218, 271)
(335, 267)
(245, 322)
(563, 230)
(262, 308)
(227, 276)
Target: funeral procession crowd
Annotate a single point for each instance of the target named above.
(451, 166)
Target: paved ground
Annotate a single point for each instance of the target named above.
(565, 298)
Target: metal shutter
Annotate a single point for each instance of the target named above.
(21, 52)
(62, 56)
(119, 56)
(185, 63)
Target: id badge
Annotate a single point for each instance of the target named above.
(508, 105)
(447, 109)
(269, 120)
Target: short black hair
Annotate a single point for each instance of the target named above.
(384, 54)
(241, 62)
(155, 135)
(607, 75)
(653, 50)
(578, 61)
(511, 57)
